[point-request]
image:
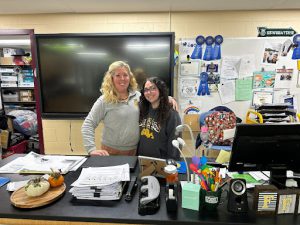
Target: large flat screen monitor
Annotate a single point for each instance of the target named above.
(271, 147)
(71, 67)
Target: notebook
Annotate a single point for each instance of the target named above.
(3, 181)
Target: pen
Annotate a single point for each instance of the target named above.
(217, 186)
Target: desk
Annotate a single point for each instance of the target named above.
(81, 212)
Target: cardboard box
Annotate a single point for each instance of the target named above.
(187, 136)
(26, 98)
(27, 93)
(10, 97)
(6, 61)
(192, 120)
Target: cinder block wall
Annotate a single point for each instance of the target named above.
(57, 133)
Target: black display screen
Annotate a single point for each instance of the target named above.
(71, 67)
(259, 147)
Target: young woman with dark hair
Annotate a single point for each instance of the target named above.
(158, 121)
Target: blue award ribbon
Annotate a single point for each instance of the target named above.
(217, 47)
(208, 54)
(296, 52)
(197, 53)
(203, 86)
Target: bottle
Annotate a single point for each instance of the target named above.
(172, 174)
(204, 135)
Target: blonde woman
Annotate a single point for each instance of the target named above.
(118, 109)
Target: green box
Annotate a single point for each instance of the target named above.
(190, 196)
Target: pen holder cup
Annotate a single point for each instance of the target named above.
(210, 200)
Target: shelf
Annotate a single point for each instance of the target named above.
(17, 88)
(12, 66)
(20, 103)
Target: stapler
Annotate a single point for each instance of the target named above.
(149, 196)
(171, 197)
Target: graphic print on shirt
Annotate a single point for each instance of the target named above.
(149, 126)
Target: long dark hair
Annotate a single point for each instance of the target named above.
(164, 105)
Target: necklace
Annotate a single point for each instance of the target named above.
(124, 99)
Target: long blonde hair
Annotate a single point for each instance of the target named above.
(108, 89)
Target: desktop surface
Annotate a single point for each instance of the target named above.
(68, 208)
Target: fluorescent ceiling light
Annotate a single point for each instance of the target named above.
(147, 46)
(159, 58)
(15, 42)
(92, 53)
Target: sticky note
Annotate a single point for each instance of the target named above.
(223, 157)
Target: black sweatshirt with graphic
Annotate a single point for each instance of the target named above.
(155, 140)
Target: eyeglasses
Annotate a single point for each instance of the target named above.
(150, 89)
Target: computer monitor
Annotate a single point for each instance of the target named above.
(271, 147)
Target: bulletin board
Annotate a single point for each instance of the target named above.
(249, 56)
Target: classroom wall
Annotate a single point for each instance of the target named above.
(57, 135)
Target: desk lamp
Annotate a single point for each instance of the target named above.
(180, 128)
(182, 144)
(177, 144)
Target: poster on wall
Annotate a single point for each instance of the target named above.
(188, 86)
(186, 47)
(212, 69)
(262, 97)
(190, 68)
(283, 78)
(247, 66)
(271, 52)
(229, 68)
(227, 91)
(264, 79)
(243, 89)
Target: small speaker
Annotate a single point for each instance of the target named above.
(237, 196)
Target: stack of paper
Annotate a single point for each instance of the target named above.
(101, 183)
(35, 163)
(252, 178)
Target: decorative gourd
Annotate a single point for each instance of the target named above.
(36, 187)
(56, 179)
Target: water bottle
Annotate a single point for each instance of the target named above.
(204, 138)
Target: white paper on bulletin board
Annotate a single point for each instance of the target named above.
(188, 86)
(190, 68)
